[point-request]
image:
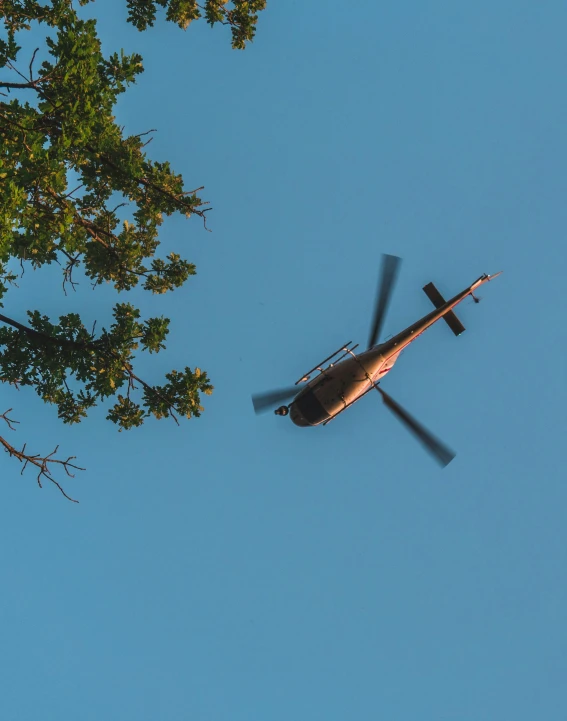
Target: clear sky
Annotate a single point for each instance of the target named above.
(239, 568)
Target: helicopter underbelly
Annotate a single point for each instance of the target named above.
(338, 387)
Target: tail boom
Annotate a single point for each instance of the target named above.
(401, 340)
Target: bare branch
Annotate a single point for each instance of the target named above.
(31, 84)
(42, 463)
(31, 63)
(11, 65)
(74, 191)
(9, 421)
(140, 135)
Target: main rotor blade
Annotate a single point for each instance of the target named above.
(263, 401)
(440, 451)
(388, 275)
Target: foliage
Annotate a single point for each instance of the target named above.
(240, 15)
(68, 175)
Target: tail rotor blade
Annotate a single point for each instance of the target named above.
(262, 402)
(438, 450)
(388, 275)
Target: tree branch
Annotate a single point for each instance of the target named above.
(95, 346)
(31, 63)
(41, 337)
(40, 462)
(19, 86)
(133, 377)
(149, 184)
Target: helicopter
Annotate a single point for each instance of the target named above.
(350, 376)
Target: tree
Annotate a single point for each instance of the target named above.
(241, 15)
(57, 128)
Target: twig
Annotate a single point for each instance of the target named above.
(9, 421)
(31, 63)
(68, 272)
(11, 65)
(74, 191)
(40, 462)
(139, 135)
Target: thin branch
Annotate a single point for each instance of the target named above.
(74, 191)
(33, 84)
(31, 63)
(40, 462)
(9, 421)
(11, 65)
(120, 205)
(68, 273)
(140, 135)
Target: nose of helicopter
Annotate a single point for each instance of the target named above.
(297, 417)
(307, 410)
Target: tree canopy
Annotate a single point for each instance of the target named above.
(63, 163)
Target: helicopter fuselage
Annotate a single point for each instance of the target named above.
(339, 386)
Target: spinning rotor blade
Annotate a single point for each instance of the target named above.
(441, 453)
(388, 275)
(263, 401)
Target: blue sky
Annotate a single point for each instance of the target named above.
(241, 568)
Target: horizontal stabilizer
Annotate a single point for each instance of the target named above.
(437, 299)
